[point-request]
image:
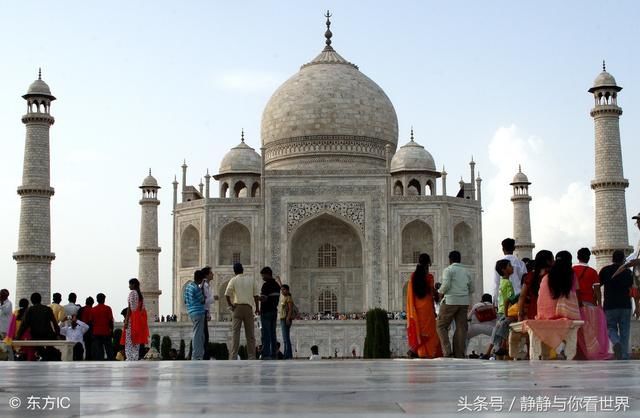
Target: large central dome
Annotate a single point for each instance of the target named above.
(328, 115)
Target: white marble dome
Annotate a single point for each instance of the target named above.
(604, 79)
(331, 104)
(40, 88)
(412, 157)
(520, 177)
(241, 159)
(150, 182)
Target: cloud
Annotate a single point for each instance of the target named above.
(562, 211)
(247, 81)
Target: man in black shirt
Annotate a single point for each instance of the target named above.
(617, 304)
(269, 299)
(40, 320)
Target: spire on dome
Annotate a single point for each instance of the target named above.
(412, 134)
(242, 135)
(39, 73)
(328, 33)
(604, 66)
(149, 171)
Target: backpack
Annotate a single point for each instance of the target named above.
(294, 311)
(486, 313)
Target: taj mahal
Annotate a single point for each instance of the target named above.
(330, 202)
(336, 201)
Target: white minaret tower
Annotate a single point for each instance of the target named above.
(34, 254)
(148, 250)
(609, 183)
(521, 216)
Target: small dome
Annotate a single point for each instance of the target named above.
(520, 177)
(604, 80)
(412, 157)
(241, 159)
(149, 182)
(39, 87)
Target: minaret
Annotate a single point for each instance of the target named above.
(609, 183)
(34, 254)
(521, 216)
(444, 182)
(472, 181)
(148, 250)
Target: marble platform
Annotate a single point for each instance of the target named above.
(328, 388)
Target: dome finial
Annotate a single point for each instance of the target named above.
(242, 135)
(328, 33)
(519, 168)
(412, 134)
(149, 171)
(39, 73)
(604, 66)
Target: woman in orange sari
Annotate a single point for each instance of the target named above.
(421, 314)
(136, 328)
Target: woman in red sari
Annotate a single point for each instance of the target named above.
(136, 328)
(421, 314)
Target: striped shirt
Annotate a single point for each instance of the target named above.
(194, 299)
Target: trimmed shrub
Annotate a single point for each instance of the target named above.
(181, 351)
(377, 342)
(155, 342)
(165, 347)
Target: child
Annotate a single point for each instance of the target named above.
(315, 353)
(505, 296)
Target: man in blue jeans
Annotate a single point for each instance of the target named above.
(617, 304)
(194, 302)
(269, 299)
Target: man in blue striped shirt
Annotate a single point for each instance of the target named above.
(194, 302)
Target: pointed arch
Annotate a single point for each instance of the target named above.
(417, 238)
(463, 242)
(398, 189)
(234, 244)
(240, 189)
(224, 189)
(255, 190)
(413, 188)
(190, 247)
(327, 302)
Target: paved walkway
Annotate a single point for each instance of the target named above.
(327, 388)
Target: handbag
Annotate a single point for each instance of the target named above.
(486, 313)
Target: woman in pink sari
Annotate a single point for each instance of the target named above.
(557, 298)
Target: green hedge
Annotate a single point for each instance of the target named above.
(165, 348)
(377, 342)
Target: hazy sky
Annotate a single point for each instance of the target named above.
(147, 83)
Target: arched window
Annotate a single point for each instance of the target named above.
(398, 189)
(462, 241)
(190, 247)
(430, 189)
(327, 302)
(327, 256)
(224, 189)
(417, 238)
(255, 190)
(240, 189)
(235, 245)
(413, 188)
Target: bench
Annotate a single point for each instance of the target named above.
(65, 347)
(535, 344)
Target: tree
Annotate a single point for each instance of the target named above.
(377, 341)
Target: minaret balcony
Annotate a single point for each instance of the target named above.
(28, 257)
(35, 191)
(620, 184)
(601, 110)
(38, 118)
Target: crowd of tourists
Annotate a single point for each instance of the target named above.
(549, 293)
(89, 326)
(272, 302)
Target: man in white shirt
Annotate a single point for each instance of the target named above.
(519, 269)
(74, 330)
(6, 310)
(72, 307)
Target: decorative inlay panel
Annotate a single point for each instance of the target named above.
(352, 211)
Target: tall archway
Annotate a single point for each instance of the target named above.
(463, 242)
(335, 241)
(190, 247)
(234, 245)
(417, 238)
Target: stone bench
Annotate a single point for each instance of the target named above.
(535, 344)
(65, 347)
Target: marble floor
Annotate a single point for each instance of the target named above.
(327, 388)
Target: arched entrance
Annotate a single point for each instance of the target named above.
(326, 266)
